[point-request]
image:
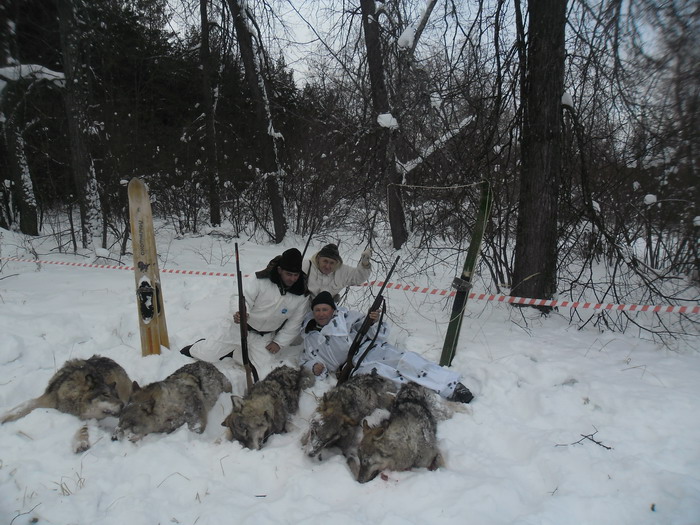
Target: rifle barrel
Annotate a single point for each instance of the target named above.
(346, 369)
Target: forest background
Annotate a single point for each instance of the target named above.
(581, 117)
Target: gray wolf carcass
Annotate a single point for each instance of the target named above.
(342, 409)
(185, 396)
(93, 388)
(406, 440)
(265, 409)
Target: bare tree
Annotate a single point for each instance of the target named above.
(535, 265)
(209, 106)
(77, 101)
(252, 54)
(385, 157)
(18, 198)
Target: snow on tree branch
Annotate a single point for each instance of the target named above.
(32, 71)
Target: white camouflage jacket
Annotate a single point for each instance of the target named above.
(268, 309)
(330, 345)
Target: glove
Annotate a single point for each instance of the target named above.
(364, 258)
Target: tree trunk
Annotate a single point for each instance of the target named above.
(76, 100)
(534, 272)
(5, 199)
(386, 157)
(22, 187)
(264, 129)
(211, 165)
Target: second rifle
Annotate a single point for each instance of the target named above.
(347, 368)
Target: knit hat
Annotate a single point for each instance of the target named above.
(330, 251)
(324, 298)
(291, 260)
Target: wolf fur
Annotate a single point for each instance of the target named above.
(342, 409)
(89, 389)
(406, 440)
(185, 396)
(93, 388)
(265, 409)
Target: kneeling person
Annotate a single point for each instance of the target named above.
(328, 332)
(275, 303)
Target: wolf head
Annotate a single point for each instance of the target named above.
(102, 400)
(328, 425)
(250, 422)
(137, 417)
(373, 455)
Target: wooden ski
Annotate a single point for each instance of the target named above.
(149, 295)
(463, 283)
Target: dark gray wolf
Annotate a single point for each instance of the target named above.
(265, 409)
(185, 396)
(93, 388)
(342, 409)
(406, 440)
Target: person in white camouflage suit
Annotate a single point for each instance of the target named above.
(328, 331)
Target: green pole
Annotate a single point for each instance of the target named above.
(463, 283)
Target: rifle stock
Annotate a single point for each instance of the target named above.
(346, 370)
(251, 374)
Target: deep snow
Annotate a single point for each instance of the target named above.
(517, 454)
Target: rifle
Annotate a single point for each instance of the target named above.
(251, 374)
(347, 368)
(313, 229)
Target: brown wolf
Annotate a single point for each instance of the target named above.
(265, 409)
(406, 440)
(185, 396)
(89, 389)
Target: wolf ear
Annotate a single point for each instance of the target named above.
(135, 386)
(237, 402)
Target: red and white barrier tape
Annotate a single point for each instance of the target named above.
(545, 302)
(418, 289)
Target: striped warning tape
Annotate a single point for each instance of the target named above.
(418, 289)
(546, 302)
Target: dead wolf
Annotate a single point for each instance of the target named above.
(406, 440)
(93, 388)
(89, 389)
(185, 396)
(265, 409)
(341, 411)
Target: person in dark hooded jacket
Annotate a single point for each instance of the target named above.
(275, 302)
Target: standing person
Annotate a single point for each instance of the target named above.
(328, 332)
(325, 271)
(275, 302)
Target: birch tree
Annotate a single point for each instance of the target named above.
(17, 197)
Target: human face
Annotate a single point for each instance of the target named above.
(288, 278)
(327, 265)
(323, 313)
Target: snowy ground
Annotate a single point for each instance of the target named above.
(517, 455)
